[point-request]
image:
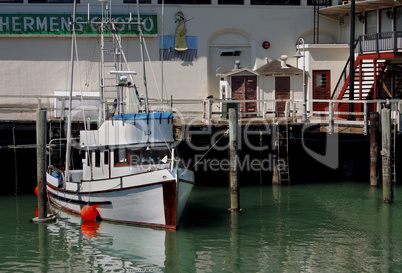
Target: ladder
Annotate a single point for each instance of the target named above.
(109, 62)
(282, 140)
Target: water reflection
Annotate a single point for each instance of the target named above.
(108, 246)
(338, 227)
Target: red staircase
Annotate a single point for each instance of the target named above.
(368, 69)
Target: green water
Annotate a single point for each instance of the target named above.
(326, 227)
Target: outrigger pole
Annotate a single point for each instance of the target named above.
(70, 102)
(142, 57)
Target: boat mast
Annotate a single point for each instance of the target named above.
(102, 57)
(70, 102)
(142, 57)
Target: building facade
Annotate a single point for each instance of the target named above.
(35, 47)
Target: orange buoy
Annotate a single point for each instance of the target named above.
(36, 190)
(89, 212)
(37, 212)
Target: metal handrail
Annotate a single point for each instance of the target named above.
(344, 75)
(377, 42)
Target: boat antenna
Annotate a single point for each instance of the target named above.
(142, 57)
(70, 102)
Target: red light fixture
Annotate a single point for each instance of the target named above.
(266, 44)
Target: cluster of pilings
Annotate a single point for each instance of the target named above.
(386, 175)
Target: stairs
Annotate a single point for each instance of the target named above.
(368, 70)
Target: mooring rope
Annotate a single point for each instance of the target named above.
(225, 134)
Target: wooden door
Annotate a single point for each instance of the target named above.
(321, 89)
(282, 92)
(251, 93)
(245, 88)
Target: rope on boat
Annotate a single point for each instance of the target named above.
(62, 207)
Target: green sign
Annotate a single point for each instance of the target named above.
(60, 24)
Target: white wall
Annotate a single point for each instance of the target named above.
(331, 57)
(38, 65)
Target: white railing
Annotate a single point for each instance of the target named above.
(293, 112)
(211, 111)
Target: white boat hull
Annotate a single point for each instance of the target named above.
(154, 198)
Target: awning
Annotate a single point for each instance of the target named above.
(360, 6)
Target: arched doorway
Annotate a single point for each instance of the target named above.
(226, 47)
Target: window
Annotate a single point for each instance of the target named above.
(371, 22)
(230, 2)
(359, 23)
(321, 80)
(97, 158)
(386, 16)
(106, 157)
(51, 1)
(276, 2)
(193, 2)
(11, 1)
(230, 52)
(398, 19)
(135, 1)
(120, 157)
(325, 3)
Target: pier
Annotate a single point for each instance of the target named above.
(285, 148)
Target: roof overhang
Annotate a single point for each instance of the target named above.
(360, 6)
(243, 70)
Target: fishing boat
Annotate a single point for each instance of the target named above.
(130, 169)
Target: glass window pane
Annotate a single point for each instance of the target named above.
(135, 1)
(386, 20)
(398, 19)
(230, 2)
(325, 3)
(321, 80)
(359, 20)
(371, 22)
(276, 2)
(51, 1)
(188, 2)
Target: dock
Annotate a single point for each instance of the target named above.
(276, 139)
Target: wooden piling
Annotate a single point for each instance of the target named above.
(41, 167)
(234, 183)
(388, 195)
(41, 162)
(374, 174)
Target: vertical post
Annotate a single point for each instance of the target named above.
(15, 164)
(365, 118)
(352, 61)
(41, 162)
(374, 176)
(331, 117)
(276, 179)
(388, 195)
(234, 184)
